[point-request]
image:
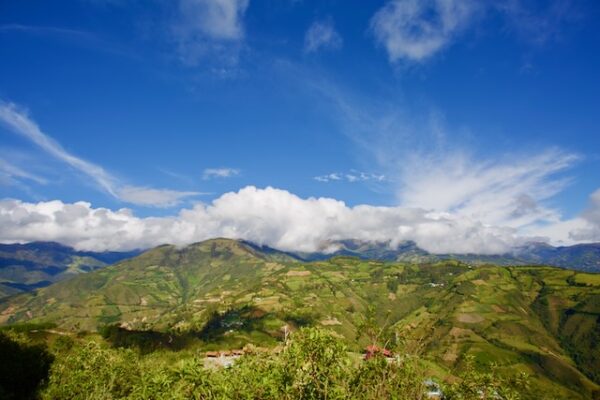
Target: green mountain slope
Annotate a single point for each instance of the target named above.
(25, 267)
(541, 320)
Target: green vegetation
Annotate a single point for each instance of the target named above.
(313, 364)
(168, 305)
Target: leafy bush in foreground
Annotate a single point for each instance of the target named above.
(314, 365)
(92, 371)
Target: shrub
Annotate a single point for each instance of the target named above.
(379, 379)
(486, 383)
(315, 365)
(94, 372)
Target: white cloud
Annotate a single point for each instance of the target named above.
(210, 173)
(20, 123)
(216, 19)
(145, 196)
(428, 166)
(266, 216)
(503, 192)
(432, 167)
(589, 227)
(415, 30)
(334, 176)
(209, 28)
(10, 173)
(322, 35)
(352, 176)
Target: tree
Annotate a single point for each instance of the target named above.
(315, 365)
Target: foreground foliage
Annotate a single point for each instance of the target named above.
(314, 364)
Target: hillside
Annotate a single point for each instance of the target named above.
(225, 293)
(25, 267)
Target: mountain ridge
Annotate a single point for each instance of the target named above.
(224, 293)
(28, 266)
(581, 257)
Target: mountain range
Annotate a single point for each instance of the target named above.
(581, 257)
(224, 294)
(25, 267)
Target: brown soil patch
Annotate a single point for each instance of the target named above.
(469, 318)
(457, 332)
(6, 314)
(270, 266)
(298, 273)
(498, 309)
(451, 355)
(330, 322)
(409, 327)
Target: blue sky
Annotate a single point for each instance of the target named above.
(210, 117)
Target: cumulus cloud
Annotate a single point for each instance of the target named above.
(209, 27)
(415, 30)
(352, 176)
(268, 216)
(19, 122)
(322, 35)
(210, 173)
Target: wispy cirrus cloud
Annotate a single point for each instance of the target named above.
(18, 121)
(322, 35)
(212, 173)
(147, 196)
(11, 173)
(415, 30)
(47, 30)
(507, 191)
(81, 38)
(216, 19)
(432, 167)
(352, 176)
(539, 24)
(209, 28)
